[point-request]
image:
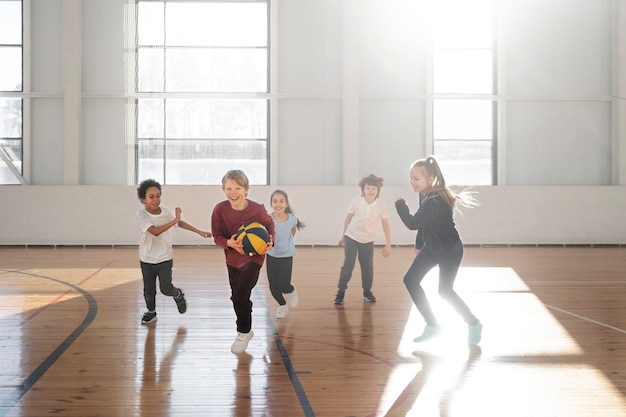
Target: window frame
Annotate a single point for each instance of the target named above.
(134, 98)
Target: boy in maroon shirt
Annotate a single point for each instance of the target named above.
(243, 270)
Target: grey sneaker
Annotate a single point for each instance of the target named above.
(149, 317)
(339, 297)
(369, 297)
(181, 302)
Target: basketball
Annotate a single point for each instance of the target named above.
(254, 237)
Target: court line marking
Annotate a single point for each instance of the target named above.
(18, 393)
(307, 409)
(599, 323)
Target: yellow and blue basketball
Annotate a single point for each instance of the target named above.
(254, 237)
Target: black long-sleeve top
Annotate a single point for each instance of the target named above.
(434, 222)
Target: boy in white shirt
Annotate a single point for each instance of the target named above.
(359, 230)
(155, 248)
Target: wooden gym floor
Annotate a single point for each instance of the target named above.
(554, 339)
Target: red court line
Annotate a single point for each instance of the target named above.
(60, 296)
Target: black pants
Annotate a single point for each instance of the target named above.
(449, 262)
(242, 281)
(150, 273)
(365, 252)
(279, 277)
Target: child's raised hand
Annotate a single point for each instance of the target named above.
(178, 212)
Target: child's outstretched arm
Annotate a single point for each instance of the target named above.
(157, 230)
(184, 225)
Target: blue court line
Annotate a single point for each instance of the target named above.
(15, 397)
(291, 372)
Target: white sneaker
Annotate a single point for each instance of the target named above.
(241, 342)
(281, 311)
(293, 297)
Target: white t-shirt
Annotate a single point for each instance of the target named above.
(366, 219)
(155, 249)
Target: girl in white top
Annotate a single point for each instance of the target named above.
(279, 258)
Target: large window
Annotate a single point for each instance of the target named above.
(464, 109)
(11, 88)
(202, 78)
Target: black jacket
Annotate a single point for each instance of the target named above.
(433, 221)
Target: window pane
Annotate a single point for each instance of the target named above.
(150, 122)
(463, 119)
(10, 68)
(216, 24)
(216, 70)
(463, 23)
(150, 160)
(11, 118)
(150, 70)
(205, 162)
(465, 162)
(10, 23)
(463, 71)
(12, 149)
(187, 50)
(220, 119)
(150, 18)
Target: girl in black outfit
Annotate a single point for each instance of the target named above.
(437, 243)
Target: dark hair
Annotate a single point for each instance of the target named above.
(145, 184)
(372, 179)
(299, 224)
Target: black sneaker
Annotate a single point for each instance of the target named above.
(369, 297)
(339, 297)
(149, 317)
(181, 302)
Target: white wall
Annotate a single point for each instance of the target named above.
(104, 215)
(562, 139)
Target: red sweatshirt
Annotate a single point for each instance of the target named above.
(225, 221)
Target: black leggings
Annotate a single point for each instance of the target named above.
(449, 262)
(279, 277)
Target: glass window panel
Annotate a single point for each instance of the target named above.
(465, 162)
(10, 23)
(216, 24)
(463, 119)
(10, 68)
(463, 23)
(463, 71)
(220, 119)
(150, 160)
(150, 18)
(205, 162)
(216, 70)
(150, 70)
(150, 122)
(6, 175)
(12, 149)
(10, 117)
